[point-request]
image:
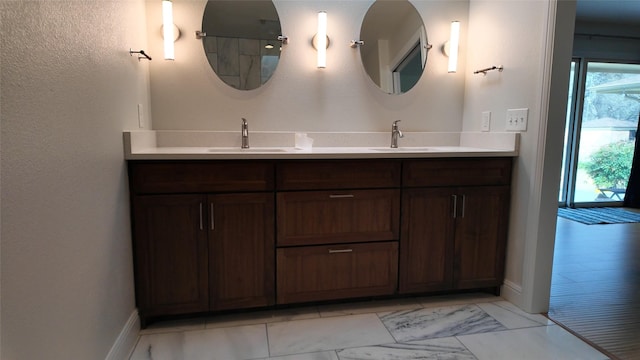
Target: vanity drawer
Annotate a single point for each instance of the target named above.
(316, 273)
(456, 172)
(329, 217)
(332, 174)
(201, 176)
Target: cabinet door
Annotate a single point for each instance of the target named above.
(170, 247)
(315, 273)
(242, 271)
(325, 217)
(481, 231)
(426, 245)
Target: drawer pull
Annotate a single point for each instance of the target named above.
(200, 216)
(333, 251)
(455, 205)
(464, 202)
(341, 196)
(213, 223)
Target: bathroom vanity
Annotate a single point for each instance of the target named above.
(234, 231)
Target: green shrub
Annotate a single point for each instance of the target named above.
(610, 166)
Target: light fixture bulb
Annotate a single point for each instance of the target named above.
(321, 40)
(168, 29)
(454, 42)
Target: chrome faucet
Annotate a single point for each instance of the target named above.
(395, 133)
(245, 134)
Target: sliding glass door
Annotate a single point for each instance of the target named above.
(602, 119)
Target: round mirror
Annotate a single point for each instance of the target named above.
(241, 41)
(395, 47)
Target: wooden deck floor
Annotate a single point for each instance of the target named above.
(595, 289)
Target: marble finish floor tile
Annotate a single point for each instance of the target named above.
(262, 317)
(304, 336)
(458, 299)
(436, 349)
(367, 307)
(324, 355)
(535, 317)
(477, 327)
(430, 323)
(174, 326)
(544, 342)
(512, 317)
(243, 342)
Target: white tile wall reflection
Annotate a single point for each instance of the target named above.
(242, 63)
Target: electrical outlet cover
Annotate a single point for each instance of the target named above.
(486, 121)
(140, 116)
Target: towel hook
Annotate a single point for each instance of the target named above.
(141, 52)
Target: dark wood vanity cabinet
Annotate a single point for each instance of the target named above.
(340, 271)
(454, 237)
(241, 251)
(222, 235)
(171, 255)
(338, 229)
(326, 217)
(426, 254)
(480, 236)
(202, 251)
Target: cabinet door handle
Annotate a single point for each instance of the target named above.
(338, 251)
(213, 224)
(335, 196)
(201, 216)
(464, 202)
(455, 205)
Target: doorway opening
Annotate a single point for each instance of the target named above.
(601, 125)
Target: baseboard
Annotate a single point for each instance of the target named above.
(127, 339)
(512, 292)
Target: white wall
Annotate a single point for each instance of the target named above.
(520, 50)
(186, 94)
(535, 76)
(68, 89)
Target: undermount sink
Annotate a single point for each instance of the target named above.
(251, 150)
(402, 149)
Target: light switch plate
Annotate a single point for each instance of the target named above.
(486, 121)
(517, 119)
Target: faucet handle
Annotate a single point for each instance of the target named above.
(245, 134)
(395, 123)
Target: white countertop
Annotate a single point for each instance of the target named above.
(201, 145)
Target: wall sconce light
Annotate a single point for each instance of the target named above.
(451, 47)
(321, 41)
(170, 32)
